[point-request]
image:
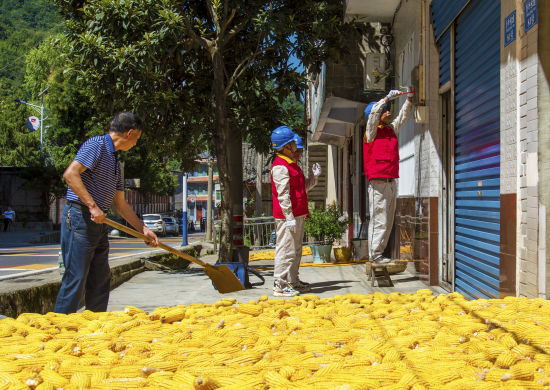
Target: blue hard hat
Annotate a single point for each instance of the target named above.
(298, 140)
(371, 105)
(281, 136)
(369, 109)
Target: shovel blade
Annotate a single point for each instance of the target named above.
(223, 278)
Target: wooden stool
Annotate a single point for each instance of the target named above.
(382, 272)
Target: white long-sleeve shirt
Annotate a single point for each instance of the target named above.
(374, 119)
(281, 178)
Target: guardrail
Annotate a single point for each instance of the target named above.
(259, 232)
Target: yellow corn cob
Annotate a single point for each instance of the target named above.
(205, 384)
(176, 314)
(523, 370)
(130, 310)
(80, 380)
(506, 359)
(53, 377)
(45, 386)
(497, 375)
(253, 310)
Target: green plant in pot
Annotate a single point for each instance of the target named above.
(325, 227)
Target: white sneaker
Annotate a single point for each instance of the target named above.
(286, 291)
(381, 260)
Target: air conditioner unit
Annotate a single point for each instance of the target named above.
(375, 71)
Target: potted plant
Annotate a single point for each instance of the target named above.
(325, 227)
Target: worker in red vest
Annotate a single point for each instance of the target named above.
(381, 164)
(290, 209)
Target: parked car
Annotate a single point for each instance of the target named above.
(155, 223)
(172, 226)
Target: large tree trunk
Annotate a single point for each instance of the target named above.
(228, 143)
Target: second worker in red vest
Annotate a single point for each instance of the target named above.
(381, 165)
(290, 209)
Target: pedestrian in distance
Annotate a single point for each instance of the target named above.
(95, 184)
(381, 165)
(9, 218)
(290, 209)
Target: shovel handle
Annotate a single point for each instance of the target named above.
(137, 234)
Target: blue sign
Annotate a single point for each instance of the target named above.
(510, 29)
(530, 12)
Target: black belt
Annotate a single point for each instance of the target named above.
(387, 179)
(82, 207)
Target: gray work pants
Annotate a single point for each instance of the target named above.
(288, 251)
(382, 199)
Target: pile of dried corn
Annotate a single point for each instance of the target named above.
(402, 341)
(270, 255)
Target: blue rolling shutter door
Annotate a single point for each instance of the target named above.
(477, 150)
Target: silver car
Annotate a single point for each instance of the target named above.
(172, 226)
(155, 223)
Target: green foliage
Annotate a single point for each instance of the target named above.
(326, 226)
(157, 58)
(23, 25)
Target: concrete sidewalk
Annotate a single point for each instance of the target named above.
(151, 289)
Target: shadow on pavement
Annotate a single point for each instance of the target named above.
(330, 285)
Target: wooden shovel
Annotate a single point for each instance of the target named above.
(221, 275)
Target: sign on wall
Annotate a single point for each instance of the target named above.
(530, 12)
(510, 29)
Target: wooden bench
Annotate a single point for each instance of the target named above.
(380, 270)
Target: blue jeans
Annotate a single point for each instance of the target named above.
(85, 249)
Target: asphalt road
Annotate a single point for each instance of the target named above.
(38, 257)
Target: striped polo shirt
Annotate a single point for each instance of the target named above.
(103, 176)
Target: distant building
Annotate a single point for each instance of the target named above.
(197, 189)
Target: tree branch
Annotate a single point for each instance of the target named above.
(233, 11)
(234, 31)
(198, 39)
(214, 16)
(242, 67)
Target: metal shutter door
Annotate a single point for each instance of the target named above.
(443, 13)
(477, 150)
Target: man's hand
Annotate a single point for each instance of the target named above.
(291, 225)
(393, 94)
(97, 215)
(316, 169)
(153, 236)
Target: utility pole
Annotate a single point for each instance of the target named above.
(39, 109)
(209, 200)
(184, 209)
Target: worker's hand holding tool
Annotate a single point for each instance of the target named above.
(96, 214)
(316, 169)
(154, 239)
(291, 225)
(393, 94)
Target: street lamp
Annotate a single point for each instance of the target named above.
(40, 109)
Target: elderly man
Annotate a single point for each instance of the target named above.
(381, 165)
(95, 184)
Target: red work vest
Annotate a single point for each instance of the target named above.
(381, 156)
(298, 196)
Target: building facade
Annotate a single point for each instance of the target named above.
(197, 191)
(473, 193)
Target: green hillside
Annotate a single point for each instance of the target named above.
(23, 25)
